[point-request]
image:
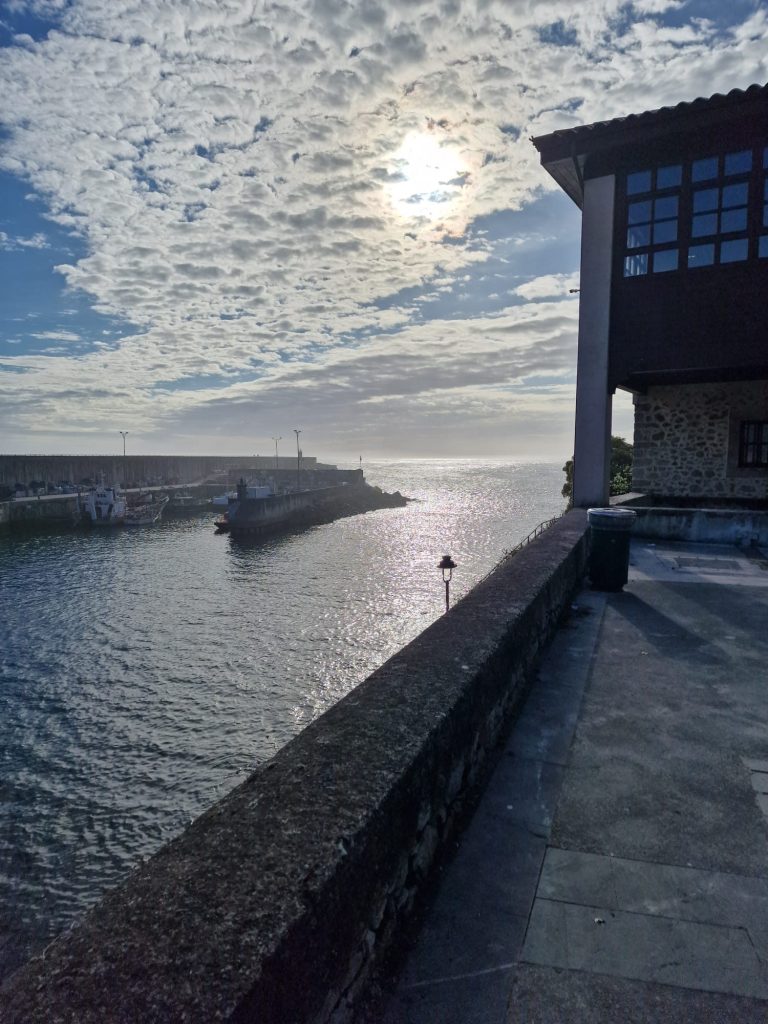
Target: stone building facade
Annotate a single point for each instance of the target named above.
(688, 440)
(674, 274)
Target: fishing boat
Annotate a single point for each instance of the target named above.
(102, 506)
(186, 504)
(147, 514)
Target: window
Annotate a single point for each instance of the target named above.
(652, 220)
(699, 214)
(753, 444)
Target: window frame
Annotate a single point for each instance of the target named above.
(745, 444)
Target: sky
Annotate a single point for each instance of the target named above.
(221, 220)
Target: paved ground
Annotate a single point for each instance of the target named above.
(617, 867)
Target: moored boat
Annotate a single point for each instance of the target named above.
(102, 506)
(147, 514)
(186, 504)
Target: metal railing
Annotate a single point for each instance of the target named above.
(535, 532)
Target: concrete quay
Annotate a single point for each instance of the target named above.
(616, 868)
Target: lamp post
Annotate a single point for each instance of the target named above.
(276, 439)
(447, 565)
(298, 460)
(124, 434)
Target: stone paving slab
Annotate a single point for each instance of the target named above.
(548, 995)
(659, 890)
(710, 958)
(637, 761)
(671, 562)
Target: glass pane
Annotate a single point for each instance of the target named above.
(735, 195)
(703, 170)
(762, 249)
(704, 224)
(765, 216)
(732, 252)
(669, 177)
(666, 207)
(639, 212)
(733, 220)
(738, 163)
(665, 231)
(706, 199)
(701, 255)
(640, 181)
(765, 189)
(639, 236)
(765, 157)
(636, 265)
(665, 259)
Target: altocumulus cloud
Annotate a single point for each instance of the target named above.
(274, 194)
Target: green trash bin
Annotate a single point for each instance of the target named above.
(609, 546)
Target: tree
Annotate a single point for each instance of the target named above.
(620, 471)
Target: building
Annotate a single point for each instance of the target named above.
(674, 283)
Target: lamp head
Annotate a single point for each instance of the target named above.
(447, 565)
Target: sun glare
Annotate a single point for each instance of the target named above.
(426, 177)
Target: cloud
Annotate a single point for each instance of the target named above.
(11, 243)
(235, 175)
(548, 286)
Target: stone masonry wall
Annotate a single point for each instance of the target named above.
(277, 903)
(687, 440)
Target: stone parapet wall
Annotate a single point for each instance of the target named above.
(687, 437)
(278, 903)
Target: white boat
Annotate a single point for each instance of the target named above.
(222, 500)
(102, 506)
(252, 491)
(145, 515)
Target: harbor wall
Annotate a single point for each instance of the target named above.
(279, 902)
(260, 515)
(40, 511)
(138, 469)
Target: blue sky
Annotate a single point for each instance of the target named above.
(221, 220)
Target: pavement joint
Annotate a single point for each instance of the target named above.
(460, 977)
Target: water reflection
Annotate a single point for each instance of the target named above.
(146, 672)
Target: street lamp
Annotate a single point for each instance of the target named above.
(298, 460)
(447, 565)
(276, 439)
(124, 434)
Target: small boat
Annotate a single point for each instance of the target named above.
(222, 523)
(222, 500)
(145, 515)
(102, 506)
(182, 504)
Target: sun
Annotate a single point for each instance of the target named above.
(427, 176)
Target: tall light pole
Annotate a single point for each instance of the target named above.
(124, 434)
(276, 439)
(298, 460)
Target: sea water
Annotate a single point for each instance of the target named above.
(146, 672)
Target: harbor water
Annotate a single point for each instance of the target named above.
(144, 673)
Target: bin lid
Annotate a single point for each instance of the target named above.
(611, 518)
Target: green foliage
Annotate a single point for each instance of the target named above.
(621, 469)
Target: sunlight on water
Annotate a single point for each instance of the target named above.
(146, 672)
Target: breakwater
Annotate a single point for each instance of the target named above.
(144, 470)
(259, 517)
(279, 902)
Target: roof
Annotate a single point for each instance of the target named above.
(563, 151)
